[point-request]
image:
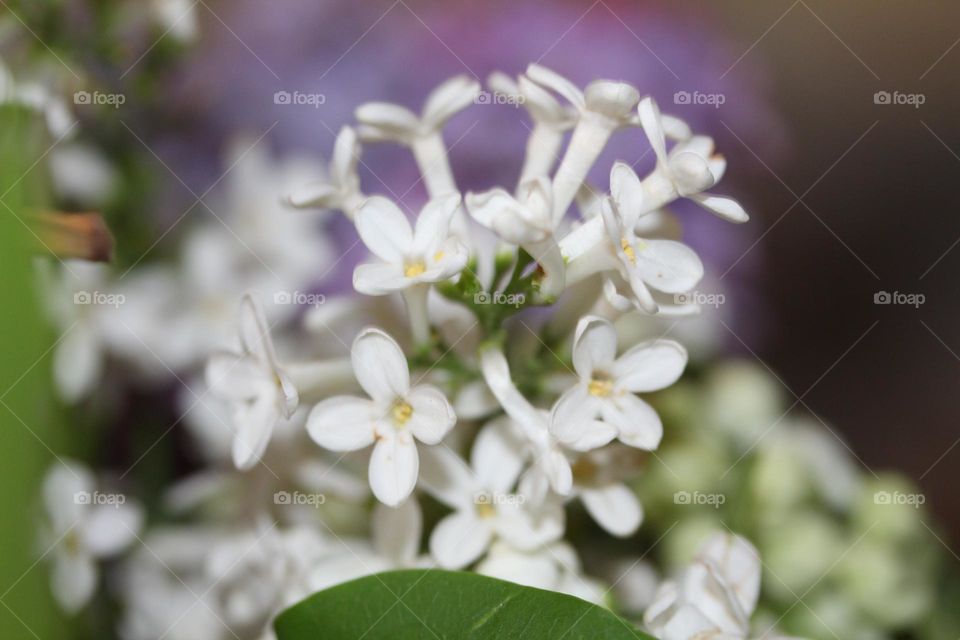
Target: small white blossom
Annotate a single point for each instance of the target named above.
(608, 384)
(410, 259)
(83, 530)
(713, 598)
(260, 393)
(341, 189)
(687, 171)
(483, 506)
(391, 419)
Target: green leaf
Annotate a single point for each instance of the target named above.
(446, 605)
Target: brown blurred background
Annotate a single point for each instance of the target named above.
(865, 201)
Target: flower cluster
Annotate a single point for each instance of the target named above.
(506, 418)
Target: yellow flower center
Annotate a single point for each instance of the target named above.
(600, 386)
(401, 413)
(628, 250)
(438, 256)
(412, 269)
(485, 508)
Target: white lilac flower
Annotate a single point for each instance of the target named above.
(525, 221)
(382, 121)
(551, 120)
(553, 566)
(395, 415)
(602, 107)
(550, 435)
(480, 495)
(341, 189)
(713, 598)
(260, 393)
(687, 171)
(609, 244)
(410, 259)
(608, 384)
(84, 526)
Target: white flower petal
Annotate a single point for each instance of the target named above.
(637, 424)
(668, 266)
(62, 487)
(460, 538)
(691, 173)
(74, 580)
(109, 529)
(432, 417)
(343, 423)
(557, 470)
(397, 531)
(557, 83)
(626, 189)
(737, 562)
(316, 194)
(572, 421)
(78, 362)
(496, 372)
(447, 478)
(255, 333)
(614, 507)
(346, 154)
(650, 366)
(726, 208)
(615, 100)
(380, 366)
(651, 122)
(527, 528)
(381, 121)
(234, 377)
(394, 466)
(594, 346)
(433, 225)
(384, 229)
(452, 96)
(497, 456)
(254, 424)
(379, 278)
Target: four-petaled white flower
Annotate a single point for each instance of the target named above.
(341, 189)
(609, 244)
(391, 419)
(483, 506)
(411, 259)
(608, 383)
(603, 107)
(713, 598)
(260, 393)
(525, 221)
(85, 526)
(687, 171)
